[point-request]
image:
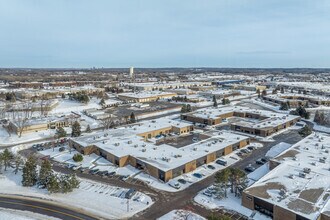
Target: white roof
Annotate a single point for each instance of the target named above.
(284, 187)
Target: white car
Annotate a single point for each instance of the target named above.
(175, 185)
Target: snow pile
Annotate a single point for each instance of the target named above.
(181, 215)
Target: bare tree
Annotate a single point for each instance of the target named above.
(106, 123)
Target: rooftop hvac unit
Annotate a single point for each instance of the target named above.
(144, 145)
(302, 175)
(322, 160)
(155, 148)
(129, 142)
(291, 176)
(195, 148)
(209, 144)
(116, 144)
(104, 142)
(313, 163)
(144, 150)
(135, 145)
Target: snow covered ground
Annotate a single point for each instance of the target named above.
(232, 202)
(107, 201)
(10, 214)
(181, 215)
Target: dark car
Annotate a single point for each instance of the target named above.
(211, 167)
(112, 173)
(260, 162)
(198, 175)
(264, 159)
(251, 148)
(221, 162)
(61, 149)
(182, 181)
(249, 169)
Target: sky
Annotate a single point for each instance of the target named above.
(158, 33)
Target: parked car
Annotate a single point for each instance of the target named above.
(249, 169)
(264, 159)
(174, 184)
(245, 151)
(239, 154)
(251, 148)
(259, 161)
(182, 181)
(195, 139)
(211, 167)
(61, 149)
(207, 193)
(221, 162)
(112, 173)
(198, 175)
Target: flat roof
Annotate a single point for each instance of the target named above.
(284, 187)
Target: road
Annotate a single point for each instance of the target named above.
(165, 201)
(42, 207)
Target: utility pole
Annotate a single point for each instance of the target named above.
(127, 205)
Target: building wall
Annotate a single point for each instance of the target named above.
(280, 213)
(247, 201)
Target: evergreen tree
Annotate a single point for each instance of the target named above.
(184, 109)
(221, 180)
(133, 119)
(225, 101)
(53, 185)
(189, 108)
(76, 129)
(102, 102)
(305, 131)
(60, 132)
(215, 103)
(284, 106)
(30, 176)
(65, 184)
(18, 161)
(282, 90)
(259, 93)
(73, 181)
(7, 157)
(45, 173)
(88, 129)
(218, 217)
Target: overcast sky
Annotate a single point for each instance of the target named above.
(158, 33)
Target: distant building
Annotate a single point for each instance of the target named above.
(131, 72)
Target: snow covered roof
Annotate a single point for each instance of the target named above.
(300, 183)
(146, 94)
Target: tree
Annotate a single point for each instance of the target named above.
(189, 108)
(60, 132)
(225, 101)
(77, 158)
(18, 161)
(184, 109)
(264, 93)
(305, 131)
(259, 93)
(73, 181)
(282, 90)
(7, 157)
(30, 176)
(45, 173)
(133, 119)
(53, 185)
(88, 129)
(63, 96)
(102, 102)
(107, 123)
(221, 180)
(320, 118)
(301, 111)
(76, 129)
(284, 106)
(218, 217)
(215, 103)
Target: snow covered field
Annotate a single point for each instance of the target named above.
(181, 215)
(9, 214)
(100, 199)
